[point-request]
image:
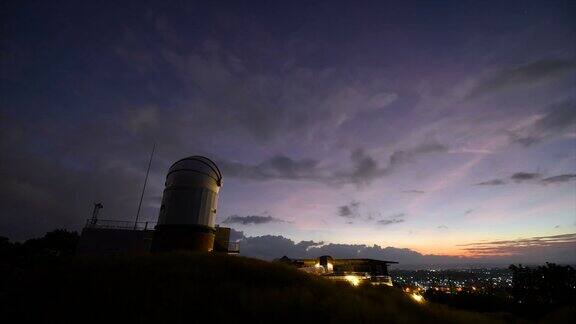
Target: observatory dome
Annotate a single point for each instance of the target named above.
(192, 169)
(188, 211)
(191, 193)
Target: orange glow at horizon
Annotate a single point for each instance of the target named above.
(455, 251)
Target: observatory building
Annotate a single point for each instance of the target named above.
(189, 205)
(186, 221)
(355, 271)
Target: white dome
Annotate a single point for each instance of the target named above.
(198, 165)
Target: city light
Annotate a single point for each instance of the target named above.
(454, 281)
(418, 298)
(353, 280)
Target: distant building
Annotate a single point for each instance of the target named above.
(186, 221)
(355, 271)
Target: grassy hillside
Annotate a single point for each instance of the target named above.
(185, 288)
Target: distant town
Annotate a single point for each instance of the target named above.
(454, 281)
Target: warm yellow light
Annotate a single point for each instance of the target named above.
(417, 298)
(473, 288)
(407, 289)
(353, 280)
(330, 267)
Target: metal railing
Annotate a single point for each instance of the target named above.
(118, 224)
(233, 247)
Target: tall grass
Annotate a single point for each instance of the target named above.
(194, 288)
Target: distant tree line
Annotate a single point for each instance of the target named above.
(550, 285)
(59, 242)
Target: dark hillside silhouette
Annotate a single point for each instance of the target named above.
(177, 288)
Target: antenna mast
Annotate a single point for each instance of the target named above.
(144, 188)
(94, 219)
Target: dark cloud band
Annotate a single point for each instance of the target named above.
(251, 220)
(525, 177)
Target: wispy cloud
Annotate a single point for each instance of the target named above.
(406, 156)
(364, 167)
(522, 177)
(251, 220)
(519, 246)
(395, 219)
(350, 210)
(414, 191)
(531, 73)
(495, 182)
(557, 120)
(277, 167)
(559, 178)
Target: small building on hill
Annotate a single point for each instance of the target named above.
(355, 271)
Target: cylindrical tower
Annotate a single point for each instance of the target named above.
(188, 210)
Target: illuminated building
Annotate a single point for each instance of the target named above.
(355, 271)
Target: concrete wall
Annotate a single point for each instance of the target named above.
(108, 241)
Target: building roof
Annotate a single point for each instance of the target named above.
(199, 164)
(365, 260)
(359, 260)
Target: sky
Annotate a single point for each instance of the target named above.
(432, 128)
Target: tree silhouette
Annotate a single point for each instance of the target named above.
(57, 242)
(549, 285)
